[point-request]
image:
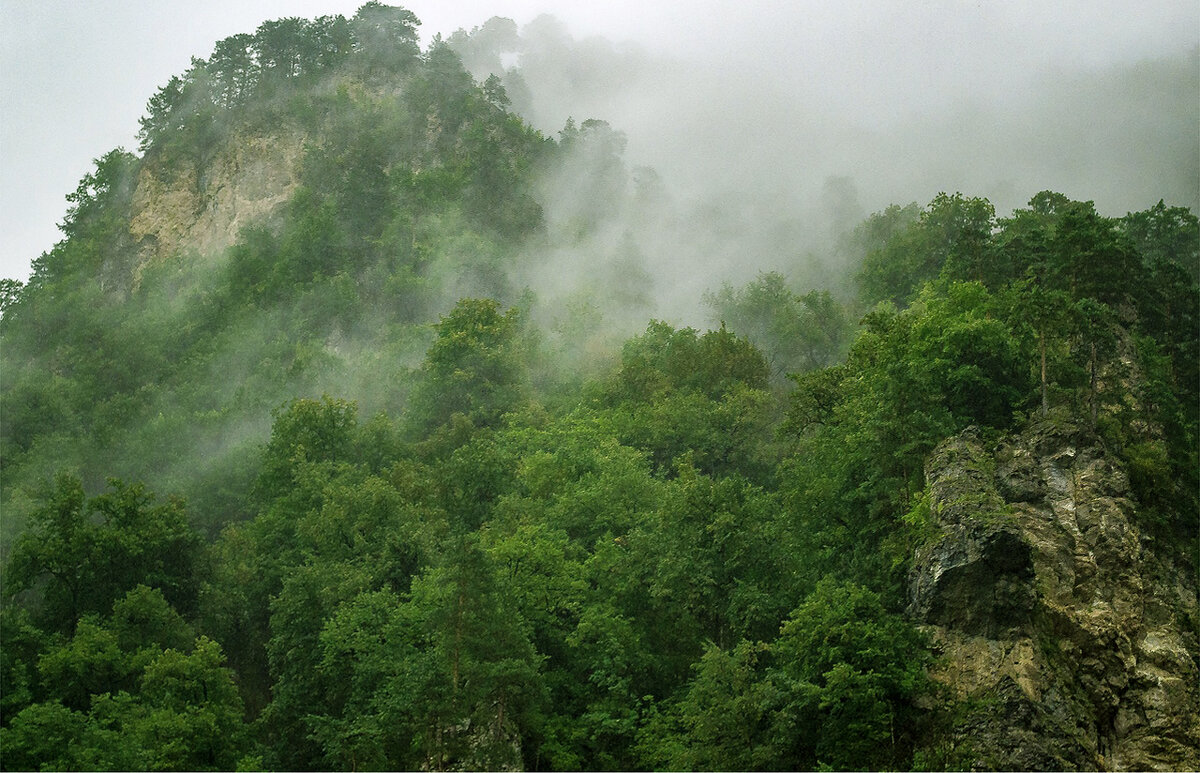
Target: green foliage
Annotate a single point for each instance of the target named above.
(797, 333)
(383, 228)
(245, 71)
(306, 432)
(678, 393)
(385, 37)
(1165, 234)
(475, 366)
(543, 549)
(82, 553)
(716, 561)
(136, 690)
(972, 356)
(10, 293)
(366, 647)
(592, 153)
(98, 204)
(665, 360)
(837, 689)
(44, 736)
(864, 429)
(950, 236)
(727, 684)
(1089, 258)
(23, 641)
(193, 715)
(850, 674)
(482, 656)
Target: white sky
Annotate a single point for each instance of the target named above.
(75, 76)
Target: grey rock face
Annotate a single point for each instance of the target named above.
(1066, 639)
(977, 581)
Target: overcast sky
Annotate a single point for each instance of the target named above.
(75, 76)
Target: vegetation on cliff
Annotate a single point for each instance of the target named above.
(422, 508)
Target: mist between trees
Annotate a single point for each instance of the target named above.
(488, 447)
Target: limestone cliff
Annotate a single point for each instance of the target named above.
(188, 205)
(1067, 640)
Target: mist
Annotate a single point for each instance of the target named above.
(738, 144)
(905, 101)
(761, 126)
(1097, 100)
(539, 394)
(767, 145)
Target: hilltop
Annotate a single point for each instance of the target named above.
(355, 423)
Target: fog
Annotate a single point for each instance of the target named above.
(709, 144)
(751, 109)
(769, 141)
(906, 102)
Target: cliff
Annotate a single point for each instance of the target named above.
(189, 205)
(1067, 640)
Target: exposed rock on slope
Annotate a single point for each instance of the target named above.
(204, 207)
(1068, 642)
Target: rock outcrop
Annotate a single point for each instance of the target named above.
(1067, 641)
(181, 205)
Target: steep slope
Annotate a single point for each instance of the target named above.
(1069, 640)
(286, 230)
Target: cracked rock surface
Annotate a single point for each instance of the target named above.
(1067, 642)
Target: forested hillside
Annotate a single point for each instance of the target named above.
(324, 447)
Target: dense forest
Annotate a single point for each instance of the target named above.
(363, 490)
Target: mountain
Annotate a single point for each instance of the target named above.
(356, 423)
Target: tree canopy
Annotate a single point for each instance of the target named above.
(348, 494)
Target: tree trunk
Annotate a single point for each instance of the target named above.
(458, 635)
(1045, 388)
(1094, 399)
